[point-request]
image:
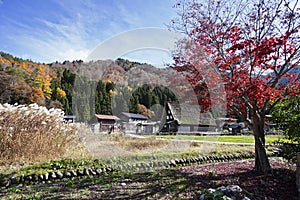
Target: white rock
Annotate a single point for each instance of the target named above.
(123, 184)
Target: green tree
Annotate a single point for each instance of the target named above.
(133, 105)
(287, 115)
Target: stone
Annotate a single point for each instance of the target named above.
(98, 171)
(59, 175)
(46, 176)
(67, 174)
(181, 162)
(6, 183)
(22, 178)
(234, 189)
(193, 160)
(52, 175)
(223, 189)
(86, 172)
(230, 157)
(34, 178)
(188, 161)
(41, 177)
(221, 158)
(108, 169)
(172, 163)
(151, 165)
(80, 172)
(205, 158)
(73, 173)
(123, 184)
(14, 180)
(28, 178)
(147, 165)
(138, 165)
(91, 172)
(211, 190)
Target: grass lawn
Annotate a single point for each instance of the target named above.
(230, 138)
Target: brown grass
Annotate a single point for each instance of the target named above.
(99, 145)
(33, 133)
(132, 143)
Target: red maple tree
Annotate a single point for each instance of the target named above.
(252, 46)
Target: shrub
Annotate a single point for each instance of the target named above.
(287, 115)
(33, 133)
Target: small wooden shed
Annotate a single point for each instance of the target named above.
(107, 121)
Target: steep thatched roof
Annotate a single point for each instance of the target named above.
(190, 114)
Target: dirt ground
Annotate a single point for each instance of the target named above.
(178, 183)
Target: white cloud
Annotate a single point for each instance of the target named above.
(78, 27)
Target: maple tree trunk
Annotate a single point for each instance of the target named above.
(262, 163)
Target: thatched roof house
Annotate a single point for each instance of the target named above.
(185, 118)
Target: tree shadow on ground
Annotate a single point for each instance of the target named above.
(178, 183)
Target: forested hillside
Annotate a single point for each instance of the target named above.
(83, 89)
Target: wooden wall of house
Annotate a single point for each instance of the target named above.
(105, 124)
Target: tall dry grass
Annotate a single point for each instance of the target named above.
(33, 133)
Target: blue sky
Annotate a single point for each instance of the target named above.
(58, 30)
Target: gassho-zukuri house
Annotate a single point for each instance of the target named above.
(186, 118)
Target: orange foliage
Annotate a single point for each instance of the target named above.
(37, 96)
(61, 93)
(3, 60)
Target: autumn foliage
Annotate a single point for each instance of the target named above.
(34, 80)
(253, 47)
